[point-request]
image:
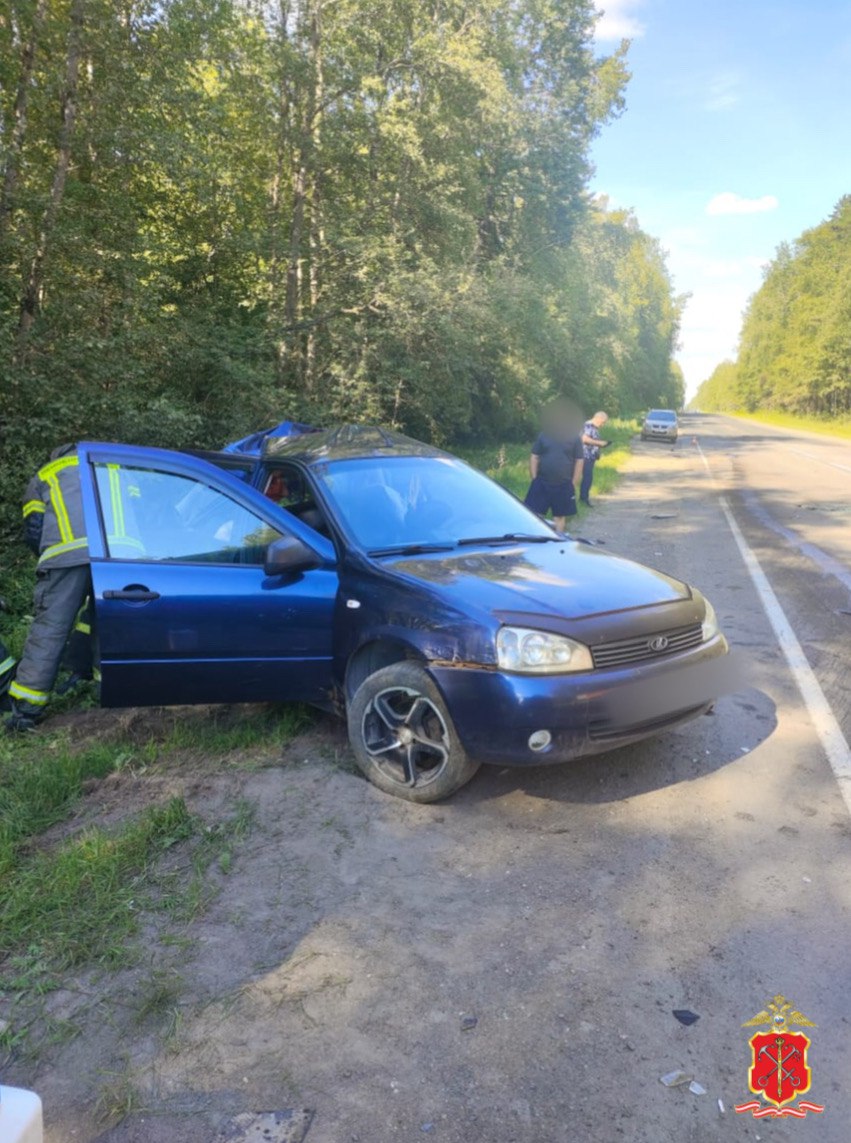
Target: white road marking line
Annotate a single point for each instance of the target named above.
(809, 456)
(827, 563)
(823, 719)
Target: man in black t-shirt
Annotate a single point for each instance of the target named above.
(556, 468)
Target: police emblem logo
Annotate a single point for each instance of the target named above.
(779, 1072)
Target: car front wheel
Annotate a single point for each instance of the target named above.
(403, 738)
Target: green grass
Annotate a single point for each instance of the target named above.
(41, 778)
(185, 893)
(77, 902)
(119, 1097)
(17, 580)
(839, 427)
(64, 903)
(226, 729)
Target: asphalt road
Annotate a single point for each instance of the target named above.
(728, 843)
(791, 495)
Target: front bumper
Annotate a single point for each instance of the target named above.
(496, 713)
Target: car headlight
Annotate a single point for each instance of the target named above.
(531, 652)
(709, 628)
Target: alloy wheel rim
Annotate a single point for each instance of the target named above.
(405, 735)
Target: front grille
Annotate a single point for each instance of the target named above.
(640, 650)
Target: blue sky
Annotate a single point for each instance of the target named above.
(735, 138)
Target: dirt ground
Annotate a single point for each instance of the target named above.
(349, 947)
(501, 967)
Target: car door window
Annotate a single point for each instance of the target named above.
(287, 486)
(155, 515)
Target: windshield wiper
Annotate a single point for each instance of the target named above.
(410, 549)
(512, 537)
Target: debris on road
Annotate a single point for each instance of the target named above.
(287, 1126)
(468, 1023)
(674, 1079)
(685, 1016)
(680, 1078)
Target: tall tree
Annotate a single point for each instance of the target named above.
(218, 212)
(795, 345)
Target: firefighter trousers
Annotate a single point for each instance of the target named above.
(59, 595)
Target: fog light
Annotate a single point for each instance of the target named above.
(540, 740)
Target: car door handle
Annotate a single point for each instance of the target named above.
(133, 594)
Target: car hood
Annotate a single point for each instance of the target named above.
(570, 580)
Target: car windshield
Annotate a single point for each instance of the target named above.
(661, 415)
(401, 502)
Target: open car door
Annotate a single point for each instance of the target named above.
(185, 611)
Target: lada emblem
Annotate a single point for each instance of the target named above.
(658, 644)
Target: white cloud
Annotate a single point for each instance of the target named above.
(724, 92)
(617, 20)
(729, 203)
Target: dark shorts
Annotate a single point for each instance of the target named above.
(543, 495)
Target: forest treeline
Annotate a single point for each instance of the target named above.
(215, 214)
(795, 345)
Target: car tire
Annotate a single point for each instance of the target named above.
(403, 738)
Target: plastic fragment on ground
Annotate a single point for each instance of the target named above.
(696, 1088)
(674, 1079)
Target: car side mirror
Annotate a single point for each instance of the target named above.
(288, 556)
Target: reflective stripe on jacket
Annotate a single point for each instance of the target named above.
(118, 516)
(53, 496)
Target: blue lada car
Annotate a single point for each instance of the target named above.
(361, 570)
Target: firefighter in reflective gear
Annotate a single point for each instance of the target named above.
(54, 525)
